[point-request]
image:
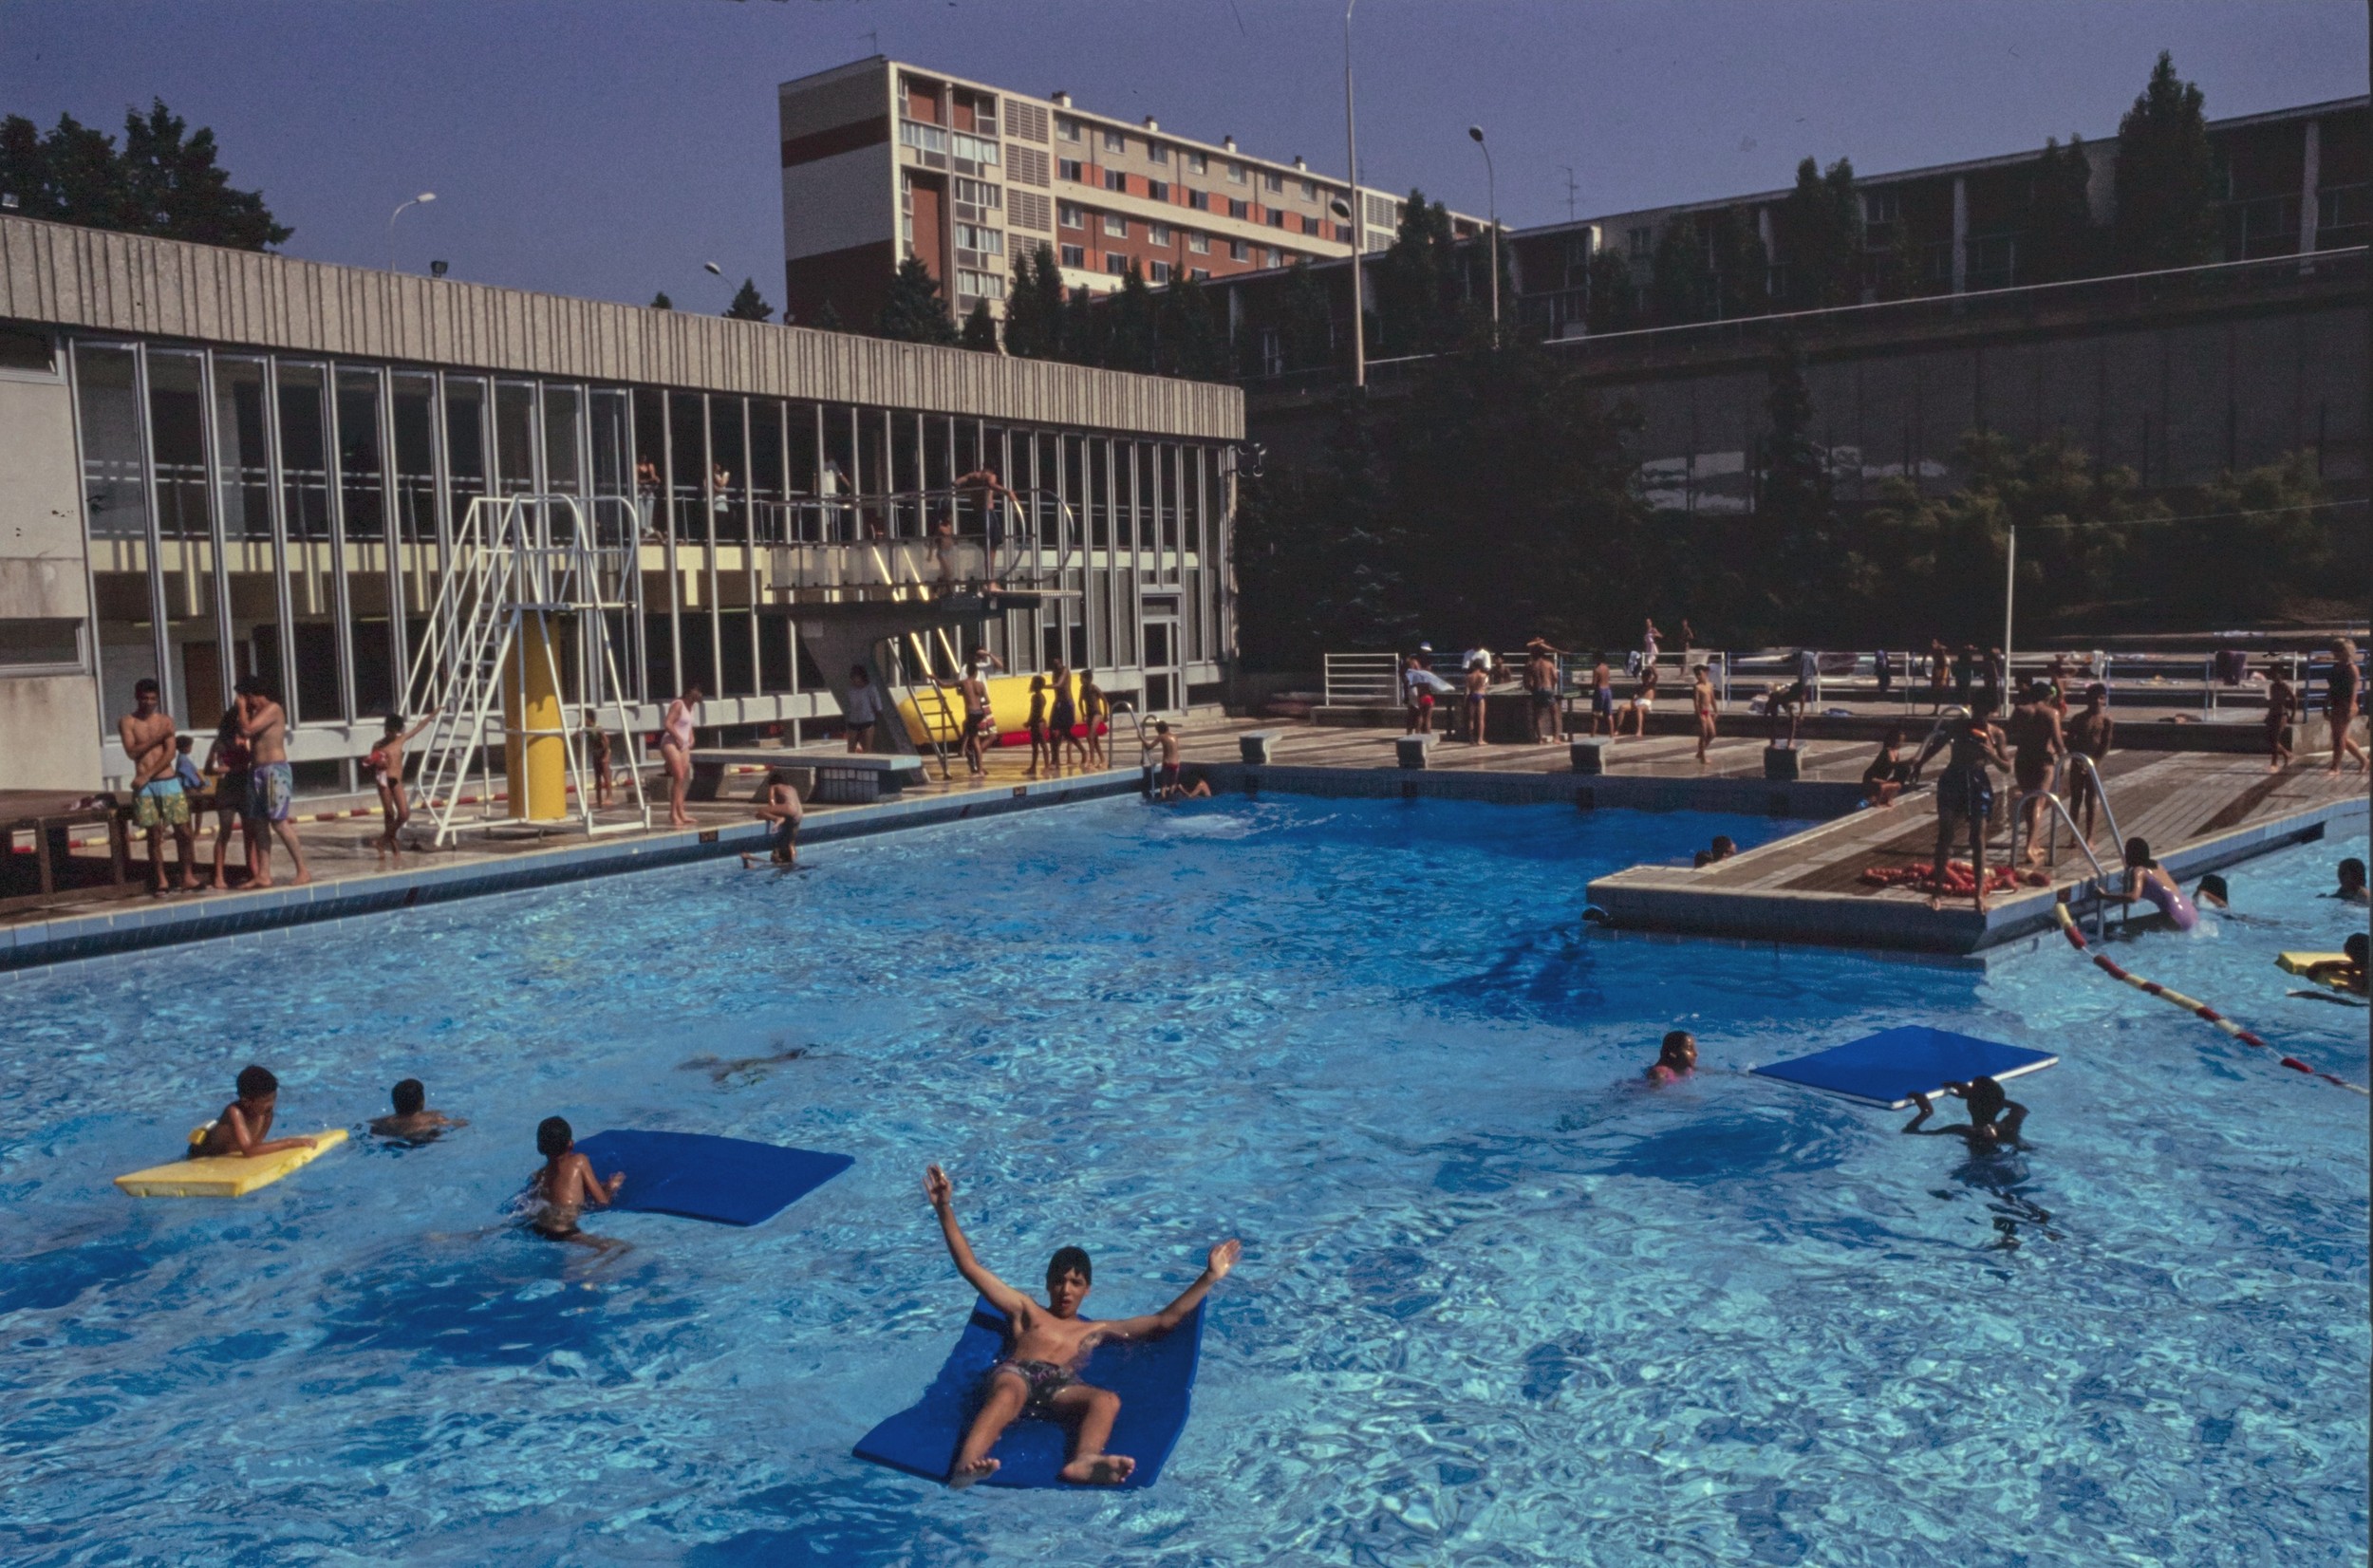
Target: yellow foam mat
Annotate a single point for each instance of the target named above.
(2299, 963)
(225, 1175)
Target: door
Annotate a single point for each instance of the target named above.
(1166, 684)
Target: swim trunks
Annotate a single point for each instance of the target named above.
(1040, 1380)
(1167, 777)
(2032, 771)
(1602, 699)
(1065, 718)
(1965, 793)
(269, 788)
(159, 803)
(781, 838)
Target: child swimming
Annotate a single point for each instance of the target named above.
(1047, 1345)
(1676, 1059)
(565, 1185)
(1994, 1117)
(245, 1123)
(413, 1122)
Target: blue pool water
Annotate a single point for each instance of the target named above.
(1497, 1305)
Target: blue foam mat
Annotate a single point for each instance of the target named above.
(701, 1176)
(1156, 1379)
(1890, 1067)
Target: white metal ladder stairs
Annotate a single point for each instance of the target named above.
(514, 558)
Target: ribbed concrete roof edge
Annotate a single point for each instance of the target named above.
(63, 275)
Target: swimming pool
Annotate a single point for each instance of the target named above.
(1497, 1305)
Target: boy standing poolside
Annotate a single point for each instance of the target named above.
(566, 1185)
(245, 1123)
(413, 1122)
(386, 765)
(1047, 1345)
(158, 803)
(271, 785)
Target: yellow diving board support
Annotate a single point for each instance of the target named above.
(535, 742)
(225, 1175)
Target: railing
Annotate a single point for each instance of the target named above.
(1363, 680)
(941, 538)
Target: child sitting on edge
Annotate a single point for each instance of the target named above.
(1046, 1347)
(193, 782)
(413, 1122)
(566, 1185)
(1676, 1059)
(245, 1123)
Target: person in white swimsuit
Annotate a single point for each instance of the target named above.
(675, 753)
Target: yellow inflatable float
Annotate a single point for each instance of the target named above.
(225, 1175)
(1009, 711)
(2304, 964)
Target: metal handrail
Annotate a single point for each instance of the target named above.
(2100, 873)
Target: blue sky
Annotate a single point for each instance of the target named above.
(609, 147)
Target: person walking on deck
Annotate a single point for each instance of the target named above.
(1702, 699)
(2282, 706)
(2340, 703)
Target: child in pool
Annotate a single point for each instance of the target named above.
(1676, 1059)
(1994, 1117)
(2351, 888)
(566, 1185)
(245, 1123)
(2148, 881)
(2346, 972)
(413, 1122)
(1047, 1345)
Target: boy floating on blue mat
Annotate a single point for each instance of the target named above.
(1039, 1373)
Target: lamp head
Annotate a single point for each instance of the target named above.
(426, 196)
(1342, 209)
(1475, 131)
(713, 268)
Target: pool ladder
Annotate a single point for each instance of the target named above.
(2050, 794)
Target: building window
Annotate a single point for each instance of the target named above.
(1277, 258)
(1199, 200)
(1116, 181)
(1201, 274)
(1309, 190)
(1115, 142)
(1342, 234)
(1236, 174)
(1158, 272)
(1117, 263)
(1643, 243)
(1199, 242)
(979, 149)
(971, 236)
(1284, 258)
(1068, 213)
(980, 285)
(978, 191)
(1068, 168)
(1066, 127)
(1161, 234)
(1116, 225)
(1272, 180)
(921, 137)
(1239, 250)
(1882, 206)
(1197, 163)
(1075, 256)
(1276, 219)
(1239, 209)
(1157, 190)
(1157, 152)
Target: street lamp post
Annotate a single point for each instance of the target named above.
(421, 200)
(1359, 218)
(1492, 189)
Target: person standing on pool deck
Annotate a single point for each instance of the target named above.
(1047, 1347)
(565, 1185)
(2282, 706)
(675, 752)
(245, 1126)
(1994, 1117)
(1039, 748)
(386, 764)
(2090, 735)
(864, 710)
(228, 760)
(1676, 1059)
(1478, 701)
(2340, 703)
(1093, 708)
(1702, 698)
(270, 787)
(2034, 728)
(1965, 793)
(1166, 775)
(1062, 718)
(1540, 685)
(158, 802)
(976, 694)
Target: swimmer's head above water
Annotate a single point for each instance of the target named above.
(554, 1137)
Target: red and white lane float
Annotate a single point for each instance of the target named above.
(2199, 1008)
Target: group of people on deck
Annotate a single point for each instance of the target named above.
(1544, 682)
(246, 782)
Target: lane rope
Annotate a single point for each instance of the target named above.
(2199, 1008)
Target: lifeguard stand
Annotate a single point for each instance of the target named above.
(518, 637)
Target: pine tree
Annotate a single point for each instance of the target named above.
(1823, 224)
(1414, 280)
(1083, 328)
(1679, 285)
(2166, 179)
(914, 312)
(661, 302)
(1742, 268)
(1305, 319)
(980, 333)
(749, 304)
(1132, 344)
(2062, 241)
(164, 182)
(828, 317)
(1795, 506)
(1614, 302)
(1194, 346)
(1034, 305)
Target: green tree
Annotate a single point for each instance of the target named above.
(1305, 321)
(1414, 280)
(1742, 268)
(1194, 344)
(1034, 305)
(2166, 179)
(1613, 303)
(1130, 342)
(1680, 287)
(914, 312)
(1084, 328)
(1821, 220)
(165, 181)
(980, 333)
(828, 317)
(661, 302)
(749, 304)
(2061, 240)
(1795, 501)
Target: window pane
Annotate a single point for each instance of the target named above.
(195, 671)
(318, 694)
(515, 437)
(363, 500)
(115, 497)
